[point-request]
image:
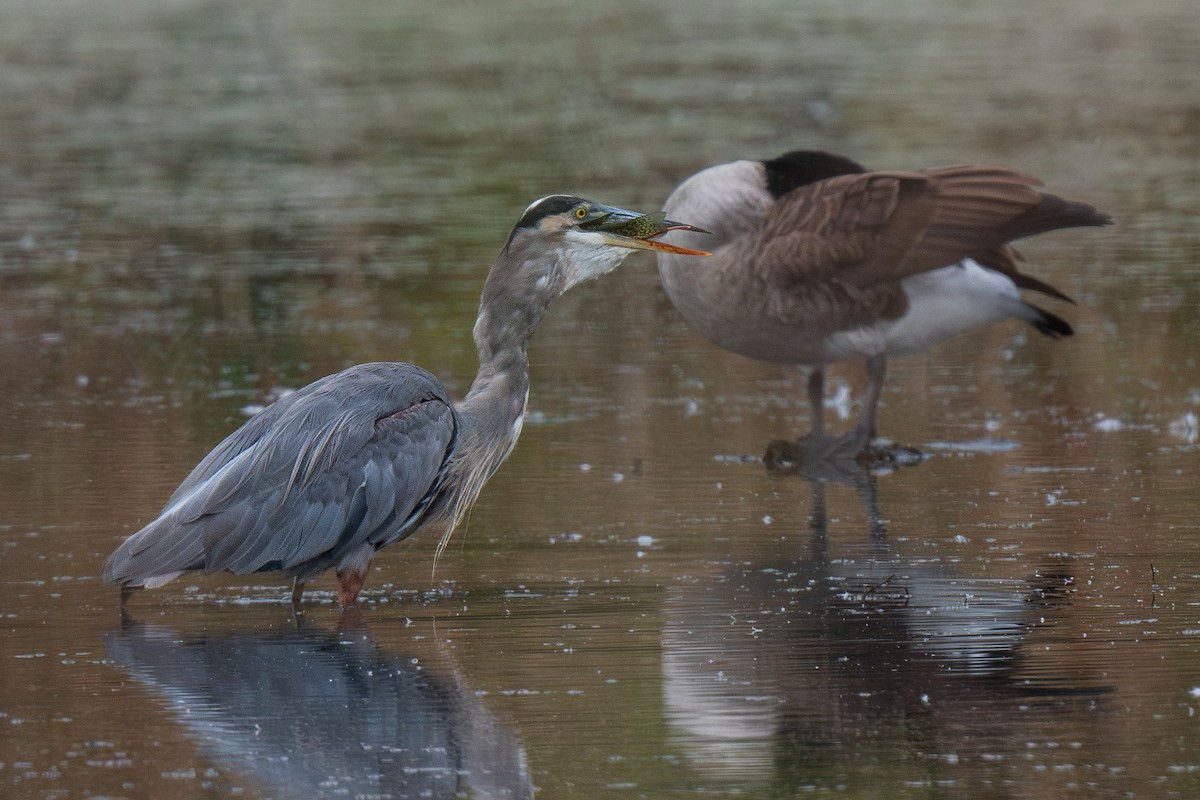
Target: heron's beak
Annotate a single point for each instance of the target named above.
(622, 228)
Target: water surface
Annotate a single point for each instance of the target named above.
(206, 203)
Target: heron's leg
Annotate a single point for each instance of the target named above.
(297, 590)
(127, 591)
(350, 583)
(816, 401)
(352, 573)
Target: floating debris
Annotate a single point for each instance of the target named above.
(840, 402)
(1185, 428)
(984, 445)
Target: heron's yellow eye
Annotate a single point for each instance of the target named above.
(581, 212)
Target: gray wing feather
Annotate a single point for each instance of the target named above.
(355, 457)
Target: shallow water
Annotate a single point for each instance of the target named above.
(204, 203)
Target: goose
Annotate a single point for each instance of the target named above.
(817, 259)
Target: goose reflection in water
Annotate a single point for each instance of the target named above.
(775, 670)
(308, 713)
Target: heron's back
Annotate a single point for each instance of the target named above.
(350, 461)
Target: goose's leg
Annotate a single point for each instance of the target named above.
(864, 430)
(816, 401)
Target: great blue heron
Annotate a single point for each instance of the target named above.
(329, 474)
(817, 260)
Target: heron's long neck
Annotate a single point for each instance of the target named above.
(491, 414)
(509, 312)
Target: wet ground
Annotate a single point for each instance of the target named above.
(202, 203)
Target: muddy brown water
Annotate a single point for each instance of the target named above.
(202, 203)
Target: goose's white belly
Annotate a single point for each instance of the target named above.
(942, 303)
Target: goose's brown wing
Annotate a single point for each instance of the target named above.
(879, 227)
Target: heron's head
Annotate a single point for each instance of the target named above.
(582, 239)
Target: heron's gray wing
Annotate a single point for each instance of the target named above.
(237, 442)
(355, 457)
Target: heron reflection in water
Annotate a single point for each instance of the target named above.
(818, 260)
(311, 713)
(356, 461)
